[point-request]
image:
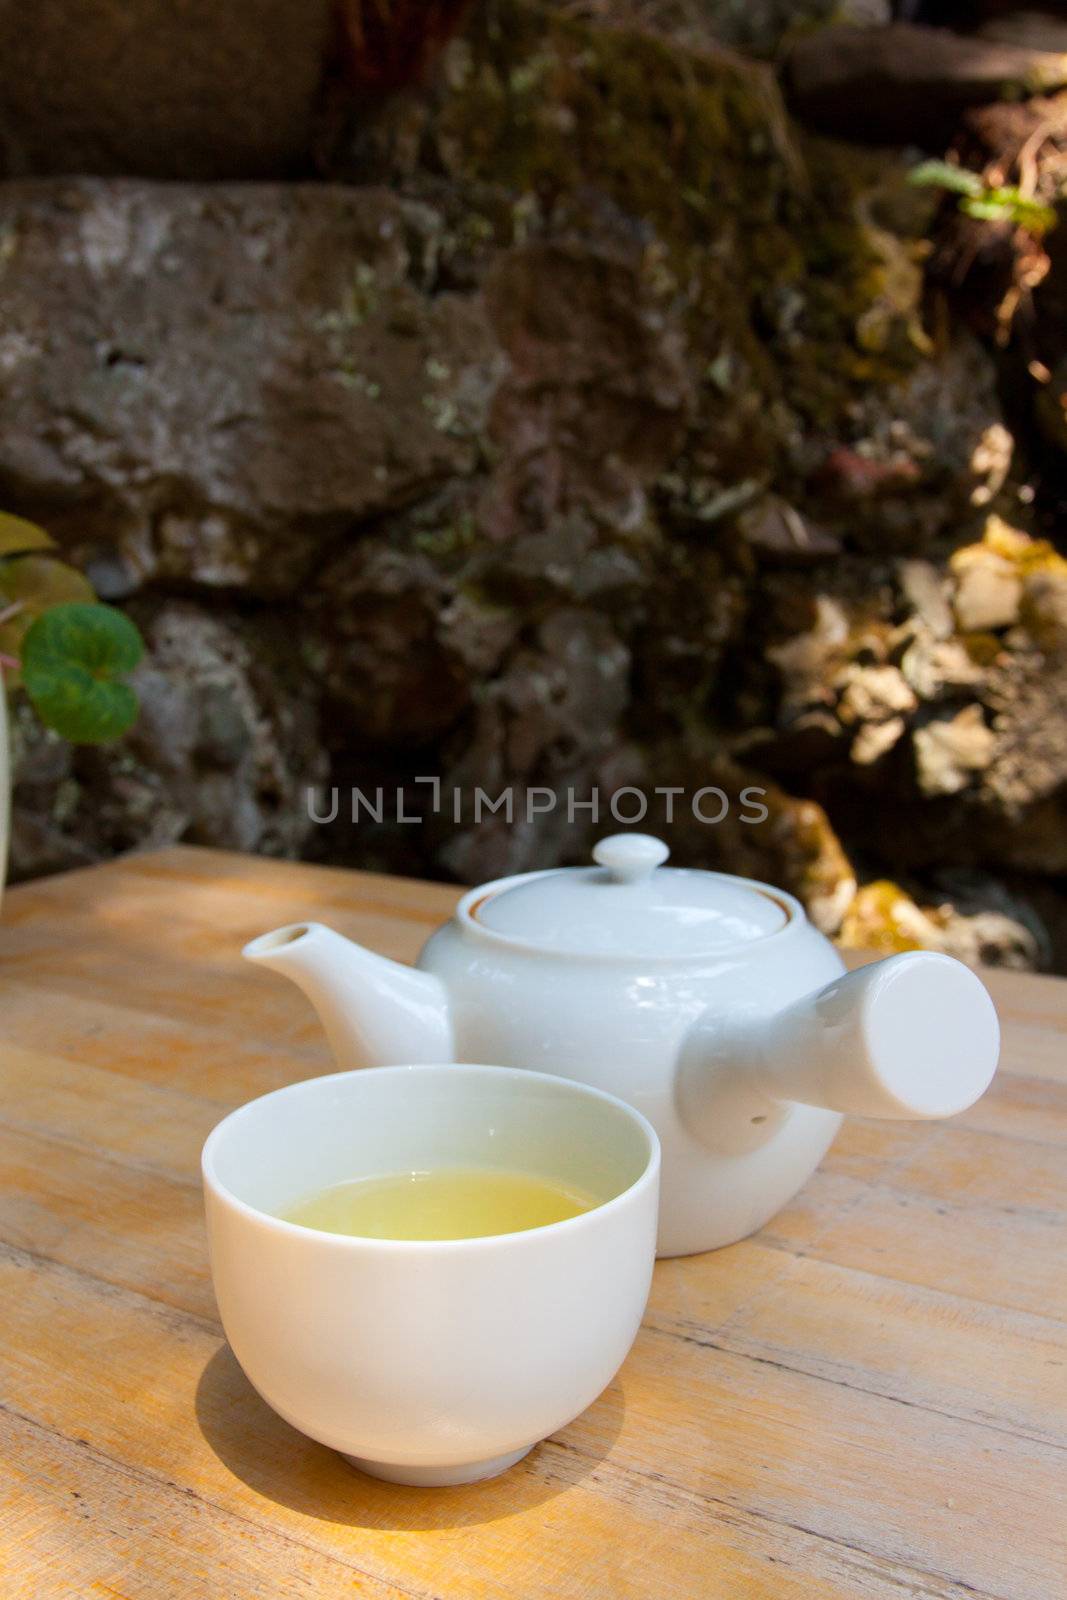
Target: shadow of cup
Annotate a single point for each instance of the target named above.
(282, 1465)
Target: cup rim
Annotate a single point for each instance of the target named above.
(648, 1176)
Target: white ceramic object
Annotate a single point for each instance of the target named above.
(430, 1362)
(708, 1002)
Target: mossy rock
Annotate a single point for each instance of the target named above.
(548, 104)
(765, 233)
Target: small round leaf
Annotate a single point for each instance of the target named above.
(73, 660)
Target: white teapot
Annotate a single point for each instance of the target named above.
(708, 1002)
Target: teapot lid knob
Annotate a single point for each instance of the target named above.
(630, 857)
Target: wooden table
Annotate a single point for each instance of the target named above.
(868, 1399)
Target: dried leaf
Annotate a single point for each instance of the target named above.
(17, 535)
(34, 583)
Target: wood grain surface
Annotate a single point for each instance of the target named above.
(868, 1399)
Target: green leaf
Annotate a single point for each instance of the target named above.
(73, 660)
(987, 209)
(942, 175)
(17, 535)
(1008, 205)
(1025, 210)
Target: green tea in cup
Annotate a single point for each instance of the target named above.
(443, 1203)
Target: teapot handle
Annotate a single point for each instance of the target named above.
(914, 1036)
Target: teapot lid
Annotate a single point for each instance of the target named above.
(629, 904)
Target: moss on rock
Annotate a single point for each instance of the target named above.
(768, 237)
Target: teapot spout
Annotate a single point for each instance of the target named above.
(914, 1037)
(375, 1011)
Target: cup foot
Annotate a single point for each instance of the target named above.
(438, 1477)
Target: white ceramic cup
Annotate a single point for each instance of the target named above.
(431, 1361)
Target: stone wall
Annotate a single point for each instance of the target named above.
(574, 419)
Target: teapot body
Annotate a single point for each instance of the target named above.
(621, 1026)
(708, 1002)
